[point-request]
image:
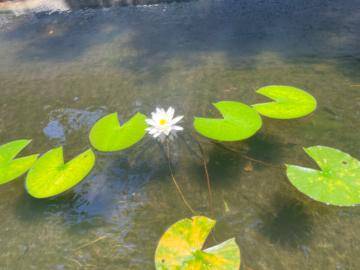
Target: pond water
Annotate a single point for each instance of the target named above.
(62, 70)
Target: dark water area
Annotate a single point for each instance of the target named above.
(61, 69)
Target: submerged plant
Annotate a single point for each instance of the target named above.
(11, 168)
(50, 176)
(338, 181)
(180, 248)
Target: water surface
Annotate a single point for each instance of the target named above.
(60, 71)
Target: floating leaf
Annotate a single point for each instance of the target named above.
(107, 135)
(50, 176)
(11, 168)
(180, 248)
(240, 122)
(337, 183)
(289, 102)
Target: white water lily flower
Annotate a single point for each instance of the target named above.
(162, 124)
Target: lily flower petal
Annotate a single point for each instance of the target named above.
(176, 119)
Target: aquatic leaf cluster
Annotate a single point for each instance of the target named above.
(47, 176)
(181, 247)
(241, 121)
(337, 183)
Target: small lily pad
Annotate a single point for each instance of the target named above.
(289, 102)
(240, 122)
(11, 168)
(50, 176)
(107, 135)
(338, 181)
(180, 248)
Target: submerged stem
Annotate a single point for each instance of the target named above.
(207, 177)
(92, 242)
(175, 182)
(242, 155)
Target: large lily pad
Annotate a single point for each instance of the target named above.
(107, 135)
(11, 168)
(50, 176)
(240, 122)
(289, 102)
(180, 248)
(338, 181)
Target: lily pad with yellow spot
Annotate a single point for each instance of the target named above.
(11, 168)
(180, 248)
(108, 135)
(338, 181)
(50, 176)
(289, 102)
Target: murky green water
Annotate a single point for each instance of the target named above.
(60, 72)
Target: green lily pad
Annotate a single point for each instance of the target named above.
(240, 122)
(11, 168)
(289, 102)
(50, 176)
(337, 183)
(107, 135)
(180, 248)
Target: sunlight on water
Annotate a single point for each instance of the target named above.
(20, 7)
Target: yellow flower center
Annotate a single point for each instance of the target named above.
(162, 121)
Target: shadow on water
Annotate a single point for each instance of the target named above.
(29, 209)
(265, 148)
(320, 29)
(223, 166)
(291, 226)
(227, 161)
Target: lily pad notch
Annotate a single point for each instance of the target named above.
(337, 182)
(11, 168)
(50, 176)
(180, 248)
(288, 102)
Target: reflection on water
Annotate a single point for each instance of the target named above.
(19, 7)
(70, 119)
(61, 71)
